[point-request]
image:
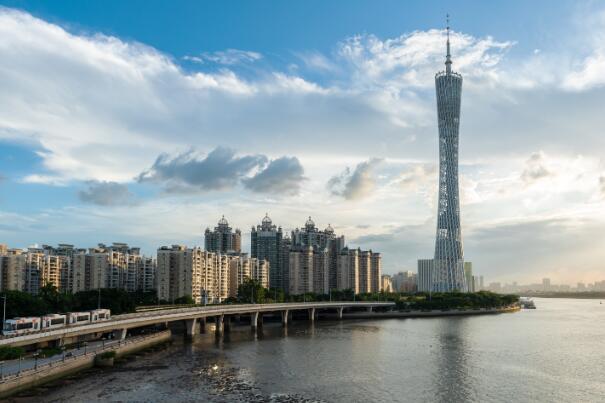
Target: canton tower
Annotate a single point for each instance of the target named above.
(448, 269)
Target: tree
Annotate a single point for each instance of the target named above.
(184, 300)
(251, 292)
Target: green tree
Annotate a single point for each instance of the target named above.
(251, 291)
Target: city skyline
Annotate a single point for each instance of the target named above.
(190, 120)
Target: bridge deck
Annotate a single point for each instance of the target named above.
(139, 319)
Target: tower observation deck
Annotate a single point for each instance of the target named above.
(448, 269)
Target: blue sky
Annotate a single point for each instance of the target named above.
(145, 121)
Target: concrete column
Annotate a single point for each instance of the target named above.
(284, 317)
(312, 314)
(119, 334)
(190, 327)
(340, 310)
(219, 324)
(227, 324)
(369, 309)
(202, 325)
(254, 319)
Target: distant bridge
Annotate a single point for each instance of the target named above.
(194, 318)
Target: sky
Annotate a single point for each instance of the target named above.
(145, 121)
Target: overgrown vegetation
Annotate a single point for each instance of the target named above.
(251, 291)
(11, 353)
(107, 355)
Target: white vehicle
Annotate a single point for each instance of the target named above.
(21, 326)
(53, 321)
(78, 318)
(100, 314)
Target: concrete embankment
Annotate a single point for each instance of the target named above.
(428, 314)
(34, 377)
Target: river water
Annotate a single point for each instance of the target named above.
(555, 353)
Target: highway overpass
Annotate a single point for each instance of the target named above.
(193, 318)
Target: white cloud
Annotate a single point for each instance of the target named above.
(356, 184)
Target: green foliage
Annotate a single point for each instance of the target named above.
(454, 300)
(107, 355)
(185, 300)
(10, 353)
(251, 291)
(49, 352)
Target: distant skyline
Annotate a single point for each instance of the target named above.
(145, 121)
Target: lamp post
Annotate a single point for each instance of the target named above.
(19, 369)
(63, 351)
(4, 311)
(85, 344)
(36, 354)
(1, 369)
(103, 341)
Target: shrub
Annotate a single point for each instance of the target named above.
(11, 353)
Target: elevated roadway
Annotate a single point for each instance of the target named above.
(193, 317)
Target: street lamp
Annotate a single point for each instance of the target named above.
(85, 344)
(36, 354)
(63, 348)
(4, 312)
(103, 340)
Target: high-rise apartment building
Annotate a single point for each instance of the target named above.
(267, 243)
(301, 269)
(310, 235)
(387, 283)
(448, 271)
(405, 281)
(12, 270)
(242, 268)
(468, 275)
(115, 266)
(348, 270)
(223, 239)
(425, 274)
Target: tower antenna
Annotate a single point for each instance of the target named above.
(448, 56)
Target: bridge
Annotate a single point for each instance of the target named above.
(194, 319)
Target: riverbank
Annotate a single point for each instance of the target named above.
(12, 384)
(429, 314)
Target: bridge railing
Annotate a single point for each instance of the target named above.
(71, 358)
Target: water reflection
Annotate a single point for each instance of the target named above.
(453, 384)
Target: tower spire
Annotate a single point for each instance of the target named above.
(448, 56)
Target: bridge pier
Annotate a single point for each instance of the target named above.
(202, 325)
(254, 320)
(219, 325)
(312, 314)
(340, 310)
(284, 317)
(227, 324)
(190, 327)
(119, 334)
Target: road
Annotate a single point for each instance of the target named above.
(15, 366)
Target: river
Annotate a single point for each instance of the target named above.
(555, 353)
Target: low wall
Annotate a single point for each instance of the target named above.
(34, 377)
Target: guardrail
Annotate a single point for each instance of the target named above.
(69, 359)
